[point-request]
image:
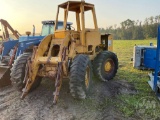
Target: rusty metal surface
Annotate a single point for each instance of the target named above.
(4, 76)
(11, 61)
(6, 27)
(59, 76)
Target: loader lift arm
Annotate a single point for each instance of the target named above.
(7, 26)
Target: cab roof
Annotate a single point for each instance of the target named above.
(75, 5)
(53, 22)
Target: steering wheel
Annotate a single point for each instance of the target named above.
(70, 27)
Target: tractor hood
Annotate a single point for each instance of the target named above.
(30, 38)
(27, 41)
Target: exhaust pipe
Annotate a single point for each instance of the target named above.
(34, 30)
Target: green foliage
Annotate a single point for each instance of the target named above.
(132, 30)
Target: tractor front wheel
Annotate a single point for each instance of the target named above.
(18, 73)
(80, 76)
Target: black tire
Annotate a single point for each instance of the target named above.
(103, 60)
(18, 73)
(80, 76)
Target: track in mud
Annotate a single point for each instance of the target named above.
(38, 104)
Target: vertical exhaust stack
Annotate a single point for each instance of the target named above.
(34, 30)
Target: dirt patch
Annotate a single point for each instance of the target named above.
(113, 88)
(38, 104)
(4, 76)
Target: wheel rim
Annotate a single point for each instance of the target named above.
(109, 65)
(87, 77)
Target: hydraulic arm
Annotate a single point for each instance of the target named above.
(7, 26)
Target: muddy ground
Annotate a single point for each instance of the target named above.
(38, 104)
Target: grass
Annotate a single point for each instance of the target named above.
(127, 103)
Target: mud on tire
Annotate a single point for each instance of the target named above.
(18, 73)
(105, 65)
(80, 76)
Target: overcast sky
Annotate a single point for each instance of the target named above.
(22, 14)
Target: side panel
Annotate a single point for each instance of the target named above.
(137, 56)
(150, 58)
(92, 40)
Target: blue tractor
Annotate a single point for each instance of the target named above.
(13, 48)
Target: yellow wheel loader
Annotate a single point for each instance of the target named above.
(69, 52)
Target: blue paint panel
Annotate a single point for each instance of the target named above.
(157, 68)
(150, 58)
(25, 42)
(8, 45)
(28, 38)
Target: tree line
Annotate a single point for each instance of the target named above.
(133, 30)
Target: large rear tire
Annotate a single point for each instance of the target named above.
(105, 65)
(80, 76)
(18, 73)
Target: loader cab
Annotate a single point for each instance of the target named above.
(87, 36)
(48, 27)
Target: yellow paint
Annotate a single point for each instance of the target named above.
(107, 66)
